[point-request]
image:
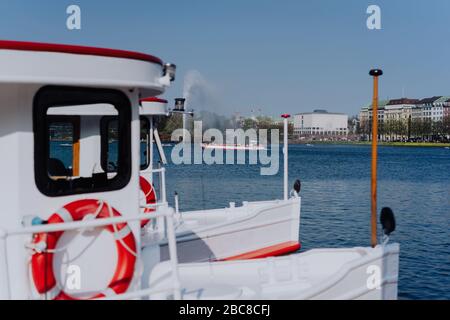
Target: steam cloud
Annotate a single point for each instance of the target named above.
(203, 97)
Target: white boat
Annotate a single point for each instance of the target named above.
(252, 230)
(252, 146)
(339, 274)
(66, 145)
(47, 200)
(80, 232)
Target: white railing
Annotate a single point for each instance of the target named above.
(162, 183)
(167, 216)
(148, 174)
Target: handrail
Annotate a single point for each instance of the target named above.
(137, 294)
(4, 280)
(153, 205)
(65, 226)
(162, 180)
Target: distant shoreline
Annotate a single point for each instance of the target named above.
(384, 144)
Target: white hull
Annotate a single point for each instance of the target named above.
(254, 230)
(352, 273)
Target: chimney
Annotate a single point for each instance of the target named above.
(179, 104)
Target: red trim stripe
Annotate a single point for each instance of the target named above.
(64, 48)
(276, 250)
(153, 99)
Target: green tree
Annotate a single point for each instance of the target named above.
(446, 126)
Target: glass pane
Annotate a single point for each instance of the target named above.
(60, 161)
(113, 146)
(145, 144)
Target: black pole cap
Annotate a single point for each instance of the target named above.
(376, 72)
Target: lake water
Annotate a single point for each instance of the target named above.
(414, 182)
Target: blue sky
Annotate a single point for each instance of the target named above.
(277, 56)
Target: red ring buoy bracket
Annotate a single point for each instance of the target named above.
(42, 262)
(150, 196)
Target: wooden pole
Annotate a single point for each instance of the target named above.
(375, 73)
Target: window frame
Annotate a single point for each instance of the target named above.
(104, 123)
(60, 96)
(149, 142)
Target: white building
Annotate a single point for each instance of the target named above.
(437, 111)
(400, 109)
(320, 122)
(433, 108)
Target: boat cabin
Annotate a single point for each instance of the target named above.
(150, 110)
(69, 134)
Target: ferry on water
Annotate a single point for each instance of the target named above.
(98, 211)
(251, 146)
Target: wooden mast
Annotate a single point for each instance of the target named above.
(375, 73)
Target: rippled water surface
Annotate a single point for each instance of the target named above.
(414, 182)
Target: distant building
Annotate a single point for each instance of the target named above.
(399, 109)
(437, 111)
(403, 119)
(434, 109)
(447, 108)
(429, 108)
(321, 122)
(365, 115)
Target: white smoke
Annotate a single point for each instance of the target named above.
(199, 93)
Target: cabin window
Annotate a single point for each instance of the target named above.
(67, 140)
(63, 160)
(145, 143)
(109, 143)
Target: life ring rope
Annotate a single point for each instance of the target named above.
(66, 217)
(118, 235)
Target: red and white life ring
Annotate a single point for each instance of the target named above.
(42, 262)
(149, 194)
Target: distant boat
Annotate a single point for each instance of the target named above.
(65, 145)
(448, 148)
(252, 146)
(309, 145)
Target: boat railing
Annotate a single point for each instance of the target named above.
(148, 174)
(166, 214)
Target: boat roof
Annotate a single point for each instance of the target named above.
(152, 106)
(76, 49)
(61, 64)
(153, 99)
